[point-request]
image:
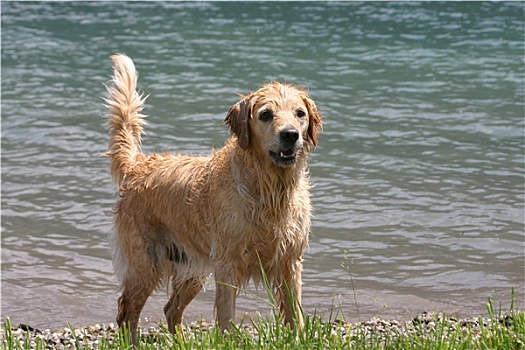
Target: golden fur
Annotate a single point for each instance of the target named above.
(244, 207)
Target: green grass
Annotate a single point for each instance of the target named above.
(497, 331)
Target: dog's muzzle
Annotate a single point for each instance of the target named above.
(288, 147)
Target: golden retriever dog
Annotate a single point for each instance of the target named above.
(241, 213)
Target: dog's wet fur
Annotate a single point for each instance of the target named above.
(239, 212)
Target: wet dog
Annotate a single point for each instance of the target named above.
(242, 213)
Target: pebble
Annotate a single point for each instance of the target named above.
(90, 336)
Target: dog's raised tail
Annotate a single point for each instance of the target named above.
(125, 120)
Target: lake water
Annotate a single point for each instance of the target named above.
(419, 173)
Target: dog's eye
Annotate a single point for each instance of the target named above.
(300, 114)
(266, 116)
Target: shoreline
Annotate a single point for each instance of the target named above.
(92, 336)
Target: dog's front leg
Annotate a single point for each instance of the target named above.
(288, 294)
(224, 299)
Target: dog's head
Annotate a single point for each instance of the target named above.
(280, 119)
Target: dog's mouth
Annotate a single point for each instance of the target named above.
(285, 157)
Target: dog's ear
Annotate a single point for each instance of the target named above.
(237, 120)
(314, 120)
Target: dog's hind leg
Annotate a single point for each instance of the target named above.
(140, 279)
(183, 293)
(130, 305)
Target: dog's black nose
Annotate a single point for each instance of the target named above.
(289, 136)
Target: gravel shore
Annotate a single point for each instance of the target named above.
(90, 336)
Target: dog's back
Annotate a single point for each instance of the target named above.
(149, 184)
